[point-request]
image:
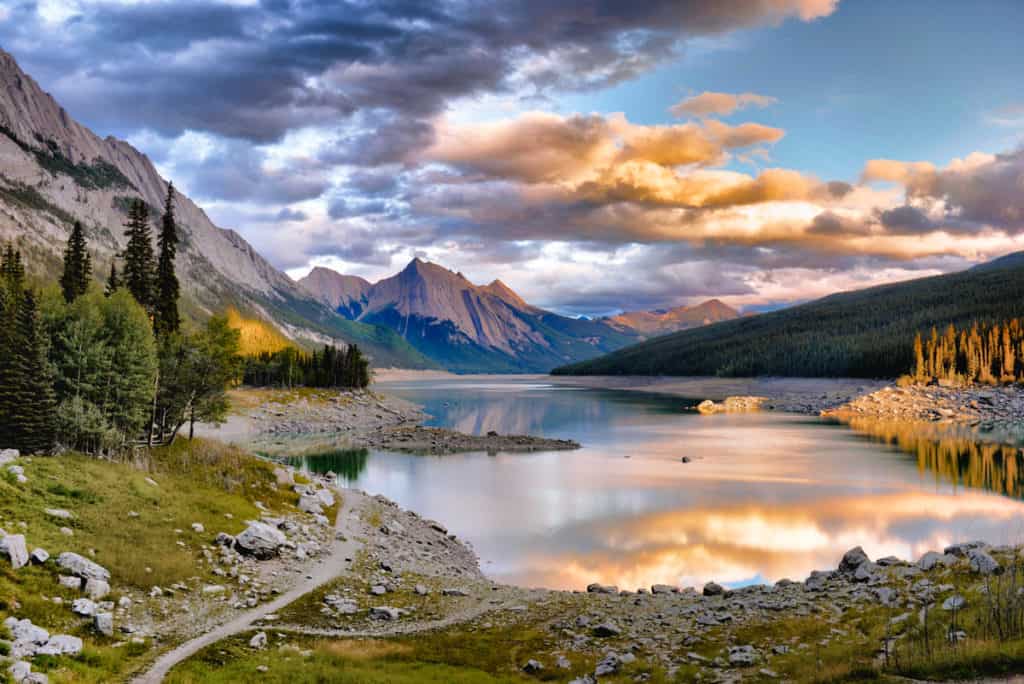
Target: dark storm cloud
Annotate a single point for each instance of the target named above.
(257, 71)
(906, 220)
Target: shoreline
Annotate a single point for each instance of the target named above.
(357, 419)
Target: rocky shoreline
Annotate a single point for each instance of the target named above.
(973, 405)
(398, 586)
(360, 419)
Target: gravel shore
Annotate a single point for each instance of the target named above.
(358, 419)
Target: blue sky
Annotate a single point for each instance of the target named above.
(532, 141)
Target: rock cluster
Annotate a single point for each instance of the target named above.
(971, 405)
(731, 405)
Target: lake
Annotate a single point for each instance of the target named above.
(764, 496)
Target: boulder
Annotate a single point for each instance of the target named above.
(71, 582)
(284, 477)
(385, 613)
(84, 607)
(853, 559)
(310, 504)
(608, 665)
(59, 513)
(326, 497)
(27, 638)
(961, 550)
(198, 528)
(596, 588)
(260, 540)
(258, 641)
(713, 589)
(743, 656)
(96, 589)
(82, 567)
(532, 666)
(19, 671)
(8, 456)
(61, 644)
(984, 564)
(954, 602)
(104, 624)
(607, 629)
(39, 556)
(13, 546)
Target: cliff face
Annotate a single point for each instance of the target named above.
(53, 171)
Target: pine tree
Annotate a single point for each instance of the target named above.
(166, 316)
(74, 282)
(138, 256)
(33, 419)
(113, 280)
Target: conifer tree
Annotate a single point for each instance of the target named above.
(33, 418)
(138, 256)
(113, 280)
(74, 282)
(166, 316)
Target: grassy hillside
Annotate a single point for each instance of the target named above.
(865, 333)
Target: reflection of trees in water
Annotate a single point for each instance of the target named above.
(953, 454)
(346, 463)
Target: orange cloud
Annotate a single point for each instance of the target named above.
(718, 104)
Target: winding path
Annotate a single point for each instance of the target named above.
(330, 567)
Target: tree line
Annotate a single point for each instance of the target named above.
(101, 371)
(988, 353)
(291, 367)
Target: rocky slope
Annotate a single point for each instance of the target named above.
(665, 321)
(53, 171)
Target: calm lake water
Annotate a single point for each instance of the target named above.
(765, 495)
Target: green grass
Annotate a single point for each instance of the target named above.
(202, 482)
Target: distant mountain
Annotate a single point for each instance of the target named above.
(663, 322)
(864, 333)
(54, 171)
(466, 327)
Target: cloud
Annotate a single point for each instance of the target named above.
(538, 147)
(978, 190)
(718, 104)
(257, 70)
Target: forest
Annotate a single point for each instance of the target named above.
(865, 333)
(987, 353)
(102, 370)
(291, 367)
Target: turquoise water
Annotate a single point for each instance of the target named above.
(764, 496)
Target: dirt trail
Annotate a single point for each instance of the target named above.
(330, 566)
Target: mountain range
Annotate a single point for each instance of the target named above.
(54, 171)
(486, 328)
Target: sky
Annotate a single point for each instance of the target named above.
(597, 156)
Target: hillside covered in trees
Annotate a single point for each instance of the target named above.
(865, 333)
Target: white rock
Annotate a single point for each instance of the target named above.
(71, 582)
(326, 497)
(96, 589)
(39, 556)
(83, 567)
(84, 607)
(258, 641)
(59, 513)
(19, 671)
(61, 644)
(261, 540)
(104, 623)
(13, 546)
(310, 504)
(198, 528)
(8, 455)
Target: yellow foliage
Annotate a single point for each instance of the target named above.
(257, 335)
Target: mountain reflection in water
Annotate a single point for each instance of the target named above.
(765, 495)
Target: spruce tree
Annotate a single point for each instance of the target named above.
(113, 280)
(138, 256)
(74, 282)
(33, 419)
(166, 316)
